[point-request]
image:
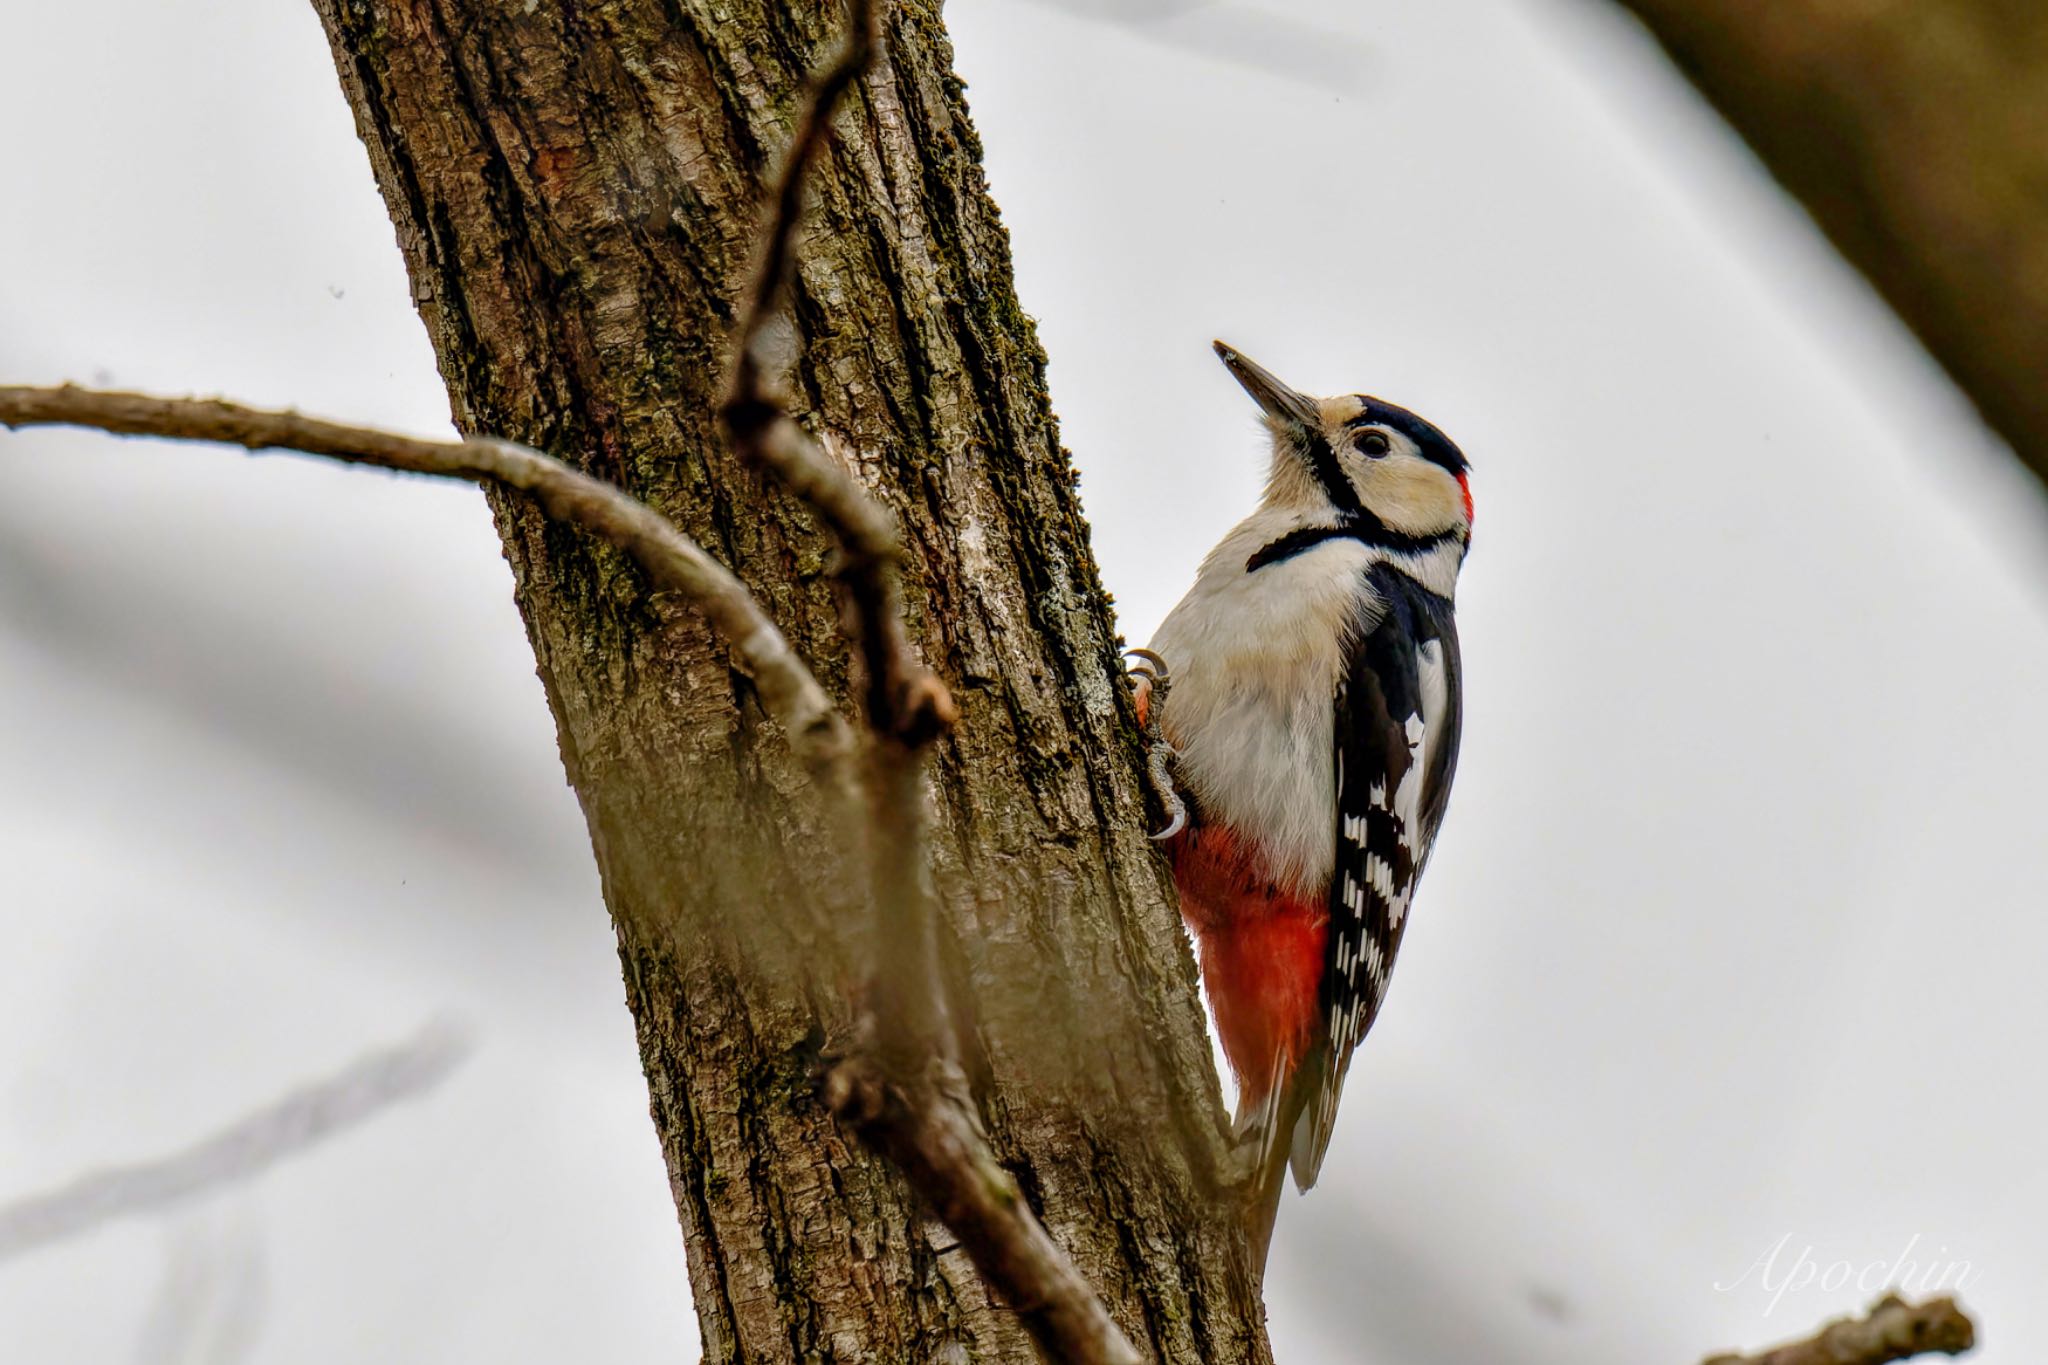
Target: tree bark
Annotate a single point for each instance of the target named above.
(1916, 134)
(575, 188)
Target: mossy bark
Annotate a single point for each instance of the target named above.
(575, 187)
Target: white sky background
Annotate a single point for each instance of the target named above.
(1733, 933)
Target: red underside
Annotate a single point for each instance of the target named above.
(1262, 956)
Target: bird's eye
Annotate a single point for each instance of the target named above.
(1374, 444)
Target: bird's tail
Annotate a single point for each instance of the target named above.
(1266, 1124)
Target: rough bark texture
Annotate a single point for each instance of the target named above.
(574, 187)
(1916, 133)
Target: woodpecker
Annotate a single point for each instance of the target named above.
(1312, 724)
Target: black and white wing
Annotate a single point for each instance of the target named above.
(1396, 743)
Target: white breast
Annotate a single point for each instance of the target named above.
(1255, 659)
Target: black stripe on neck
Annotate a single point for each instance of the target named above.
(1322, 462)
(1361, 526)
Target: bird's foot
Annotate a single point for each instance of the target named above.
(1151, 681)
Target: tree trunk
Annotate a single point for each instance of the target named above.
(575, 189)
(1916, 133)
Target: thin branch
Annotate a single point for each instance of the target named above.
(904, 700)
(814, 126)
(904, 1094)
(907, 706)
(789, 694)
(243, 1150)
(761, 429)
(933, 1137)
(1892, 1330)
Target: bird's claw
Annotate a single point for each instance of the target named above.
(1153, 681)
(1150, 665)
(1157, 768)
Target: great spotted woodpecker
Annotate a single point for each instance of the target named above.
(1312, 717)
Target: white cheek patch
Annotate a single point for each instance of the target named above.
(1406, 490)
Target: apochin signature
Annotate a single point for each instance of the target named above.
(1780, 1271)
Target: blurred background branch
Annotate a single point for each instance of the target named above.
(1276, 44)
(242, 1151)
(1914, 135)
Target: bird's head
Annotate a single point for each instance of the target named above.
(1358, 457)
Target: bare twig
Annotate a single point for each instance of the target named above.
(826, 87)
(932, 1135)
(904, 700)
(1892, 1330)
(243, 1150)
(907, 706)
(904, 1094)
(761, 430)
(789, 693)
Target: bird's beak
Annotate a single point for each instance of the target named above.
(1274, 398)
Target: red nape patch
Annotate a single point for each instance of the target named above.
(1262, 956)
(1465, 487)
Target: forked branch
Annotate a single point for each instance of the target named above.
(907, 708)
(903, 1091)
(926, 1125)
